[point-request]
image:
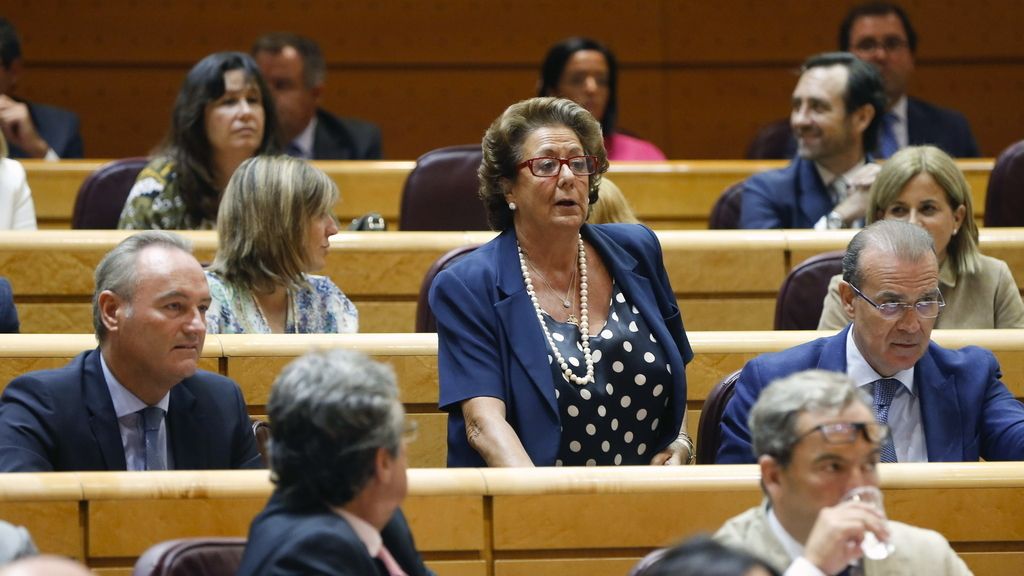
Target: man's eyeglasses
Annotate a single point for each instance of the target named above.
(890, 45)
(847, 432)
(891, 310)
(547, 166)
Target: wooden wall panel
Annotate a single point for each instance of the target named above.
(437, 72)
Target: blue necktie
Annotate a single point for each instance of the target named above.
(889, 145)
(293, 150)
(885, 390)
(151, 418)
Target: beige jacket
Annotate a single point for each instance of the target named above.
(987, 299)
(918, 551)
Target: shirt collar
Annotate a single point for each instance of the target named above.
(125, 402)
(369, 535)
(828, 177)
(899, 110)
(793, 548)
(862, 374)
(304, 141)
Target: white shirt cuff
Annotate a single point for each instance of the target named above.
(51, 155)
(803, 567)
(822, 223)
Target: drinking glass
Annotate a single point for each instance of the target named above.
(872, 547)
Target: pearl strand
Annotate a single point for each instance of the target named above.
(584, 317)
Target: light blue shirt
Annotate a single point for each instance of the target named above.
(129, 420)
(905, 410)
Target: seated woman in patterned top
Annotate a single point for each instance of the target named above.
(273, 230)
(223, 115)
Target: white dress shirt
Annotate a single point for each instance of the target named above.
(304, 141)
(905, 410)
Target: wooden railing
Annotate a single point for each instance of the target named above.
(511, 522)
(254, 362)
(666, 195)
(723, 279)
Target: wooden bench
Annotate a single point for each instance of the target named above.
(724, 279)
(666, 195)
(511, 522)
(255, 361)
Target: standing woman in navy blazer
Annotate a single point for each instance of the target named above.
(559, 342)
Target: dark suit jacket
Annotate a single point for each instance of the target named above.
(8, 313)
(63, 420)
(793, 197)
(59, 127)
(966, 411)
(926, 124)
(490, 343)
(285, 541)
(339, 138)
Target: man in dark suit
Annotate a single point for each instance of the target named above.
(837, 104)
(881, 33)
(294, 69)
(942, 405)
(138, 402)
(8, 313)
(32, 130)
(338, 458)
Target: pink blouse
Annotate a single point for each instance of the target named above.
(622, 147)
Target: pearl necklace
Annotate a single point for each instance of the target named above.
(584, 317)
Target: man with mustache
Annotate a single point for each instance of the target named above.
(138, 401)
(941, 405)
(836, 112)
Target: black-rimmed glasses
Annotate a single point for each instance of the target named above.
(847, 432)
(548, 166)
(891, 310)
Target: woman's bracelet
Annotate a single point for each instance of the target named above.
(691, 456)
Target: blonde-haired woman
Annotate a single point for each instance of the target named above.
(17, 212)
(922, 185)
(273, 230)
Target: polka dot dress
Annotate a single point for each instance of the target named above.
(617, 419)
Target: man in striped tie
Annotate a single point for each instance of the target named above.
(817, 442)
(338, 458)
(941, 405)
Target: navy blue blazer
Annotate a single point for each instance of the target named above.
(64, 420)
(926, 124)
(337, 138)
(8, 313)
(59, 127)
(490, 343)
(792, 197)
(966, 411)
(286, 541)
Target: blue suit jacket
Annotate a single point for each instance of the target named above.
(793, 197)
(64, 420)
(966, 411)
(59, 127)
(284, 540)
(339, 138)
(490, 343)
(926, 124)
(8, 313)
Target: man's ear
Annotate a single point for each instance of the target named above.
(847, 296)
(109, 305)
(771, 475)
(317, 91)
(862, 117)
(384, 465)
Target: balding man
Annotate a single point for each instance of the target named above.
(942, 405)
(138, 401)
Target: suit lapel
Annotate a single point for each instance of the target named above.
(185, 430)
(102, 418)
(814, 200)
(940, 411)
(833, 352)
(519, 320)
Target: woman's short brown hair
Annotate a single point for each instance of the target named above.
(503, 141)
(264, 220)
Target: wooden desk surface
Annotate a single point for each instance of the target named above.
(666, 195)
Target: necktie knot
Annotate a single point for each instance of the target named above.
(152, 416)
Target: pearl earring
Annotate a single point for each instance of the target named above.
(512, 206)
(955, 230)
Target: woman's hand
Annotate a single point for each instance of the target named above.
(678, 452)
